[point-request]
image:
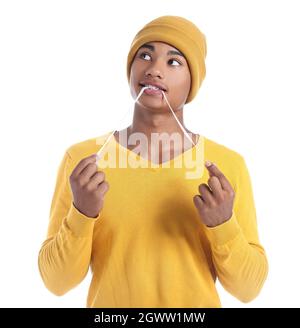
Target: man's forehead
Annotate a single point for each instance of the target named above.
(153, 46)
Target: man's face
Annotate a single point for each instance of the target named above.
(159, 62)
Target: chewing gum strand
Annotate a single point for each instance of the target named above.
(107, 140)
(137, 98)
(180, 125)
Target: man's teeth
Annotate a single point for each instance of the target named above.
(151, 87)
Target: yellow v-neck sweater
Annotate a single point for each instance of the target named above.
(148, 246)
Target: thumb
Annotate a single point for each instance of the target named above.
(208, 165)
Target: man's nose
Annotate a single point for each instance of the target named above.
(155, 70)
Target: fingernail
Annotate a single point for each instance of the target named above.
(208, 163)
(97, 157)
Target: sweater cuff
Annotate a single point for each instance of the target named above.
(224, 232)
(80, 224)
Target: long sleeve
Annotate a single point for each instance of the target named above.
(239, 259)
(64, 256)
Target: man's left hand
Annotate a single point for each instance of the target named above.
(215, 202)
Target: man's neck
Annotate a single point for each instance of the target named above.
(149, 124)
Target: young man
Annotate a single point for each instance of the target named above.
(152, 235)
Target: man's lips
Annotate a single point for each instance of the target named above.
(152, 92)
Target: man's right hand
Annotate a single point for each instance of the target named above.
(88, 187)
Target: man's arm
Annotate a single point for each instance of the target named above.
(231, 226)
(65, 255)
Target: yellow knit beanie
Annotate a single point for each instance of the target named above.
(181, 34)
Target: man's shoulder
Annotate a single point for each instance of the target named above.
(87, 147)
(218, 152)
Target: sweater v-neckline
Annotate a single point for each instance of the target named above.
(154, 165)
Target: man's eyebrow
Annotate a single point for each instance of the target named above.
(170, 52)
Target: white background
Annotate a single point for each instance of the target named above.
(63, 80)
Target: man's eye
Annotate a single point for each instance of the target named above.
(176, 61)
(144, 54)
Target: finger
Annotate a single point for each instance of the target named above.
(198, 201)
(206, 194)
(87, 173)
(214, 171)
(83, 163)
(215, 186)
(96, 179)
(103, 187)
